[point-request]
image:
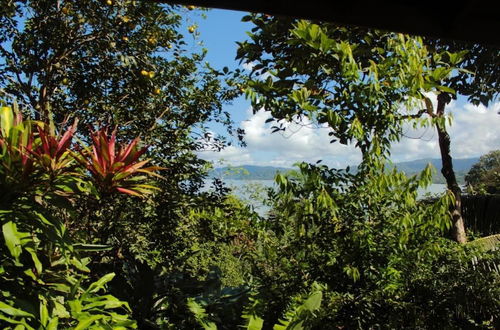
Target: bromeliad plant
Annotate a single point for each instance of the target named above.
(52, 153)
(42, 274)
(32, 153)
(115, 170)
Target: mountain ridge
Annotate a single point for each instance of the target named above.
(255, 172)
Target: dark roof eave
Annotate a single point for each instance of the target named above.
(472, 21)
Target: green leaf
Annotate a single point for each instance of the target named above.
(92, 247)
(106, 301)
(99, 284)
(255, 323)
(13, 239)
(53, 324)
(59, 310)
(79, 264)
(21, 324)
(75, 306)
(44, 312)
(36, 261)
(6, 120)
(87, 321)
(12, 311)
(446, 89)
(313, 303)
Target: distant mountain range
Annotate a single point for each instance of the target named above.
(252, 172)
(460, 166)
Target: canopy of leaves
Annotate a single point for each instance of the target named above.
(118, 62)
(353, 80)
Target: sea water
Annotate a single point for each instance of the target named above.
(253, 191)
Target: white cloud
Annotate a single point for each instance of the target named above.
(228, 156)
(299, 142)
(248, 66)
(475, 131)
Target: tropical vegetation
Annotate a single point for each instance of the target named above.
(484, 176)
(105, 224)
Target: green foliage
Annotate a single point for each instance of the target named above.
(298, 314)
(42, 274)
(122, 64)
(484, 176)
(201, 315)
(362, 84)
(478, 75)
(379, 251)
(364, 236)
(76, 245)
(352, 80)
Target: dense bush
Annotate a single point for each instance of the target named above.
(44, 276)
(381, 254)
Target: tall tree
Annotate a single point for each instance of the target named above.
(117, 62)
(131, 64)
(357, 81)
(478, 78)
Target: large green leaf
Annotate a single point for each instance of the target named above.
(106, 302)
(21, 324)
(92, 247)
(255, 323)
(6, 120)
(13, 239)
(100, 283)
(87, 321)
(313, 303)
(12, 311)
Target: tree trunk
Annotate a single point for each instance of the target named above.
(458, 226)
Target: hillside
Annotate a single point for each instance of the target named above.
(252, 172)
(248, 172)
(461, 167)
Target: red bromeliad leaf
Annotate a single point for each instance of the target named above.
(26, 161)
(124, 152)
(128, 191)
(111, 146)
(53, 152)
(117, 171)
(65, 141)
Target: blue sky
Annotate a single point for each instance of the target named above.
(475, 130)
(219, 32)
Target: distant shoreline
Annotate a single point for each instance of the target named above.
(254, 172)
